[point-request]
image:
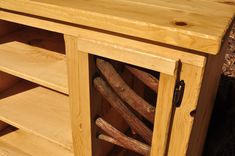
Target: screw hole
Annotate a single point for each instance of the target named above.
(180, 23)
(193, 113)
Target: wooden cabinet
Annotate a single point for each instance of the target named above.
(48, 53)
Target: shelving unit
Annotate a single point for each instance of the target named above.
(38, 111)
(27, 48)
(36, 102)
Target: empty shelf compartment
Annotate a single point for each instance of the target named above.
(35, 55)
(38, 111)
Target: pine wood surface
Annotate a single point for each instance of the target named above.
(39, 111)
(207, 96)
(196, 24)
(32, 61)
(163, 117)
(19, 142)
(79, 97)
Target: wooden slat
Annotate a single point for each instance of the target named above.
(8, 150)
(32, 63)
(183, 121)
(163, 115)
(79, 94)
(128, 55)
(199, 27)
(39, 111)
(32, 145)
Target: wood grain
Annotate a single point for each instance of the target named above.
(183, 121)
(8, 150)
(137, 125)
(162, 124)
(199, 28)
(124, 91)
(28, 143)
(38, 65)
(126, 141)
(148, 79)
(39, 111)
(149, 48)
(79, 96)
(206, 101)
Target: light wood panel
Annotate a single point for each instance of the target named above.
(182, 120)
(39, 111)
(163, 115)
(45, 67)
(199, 29)
(8, 150)
(128, 55)
(206, 100)
(79, 92)
(30, 144)
(178, 25)
(152, 49)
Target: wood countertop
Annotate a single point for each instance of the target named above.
(193, 24)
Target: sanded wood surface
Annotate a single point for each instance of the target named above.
(163, 115)
(39, 111)
(195, 24)
(39, 65)
(129, 55)
(19, 143)
(79, 98)
(8, 150)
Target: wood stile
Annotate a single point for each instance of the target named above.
(163, 117)
(78, 73)
(93, 107)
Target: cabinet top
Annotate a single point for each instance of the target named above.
(193, 24)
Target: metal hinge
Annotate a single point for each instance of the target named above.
(178, 93)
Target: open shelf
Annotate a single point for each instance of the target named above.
(35, 55)
(21, 143)
(38, 111)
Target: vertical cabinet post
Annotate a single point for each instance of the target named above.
(79, 95)
(163, 114)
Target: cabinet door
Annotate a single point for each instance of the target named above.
(89, 128)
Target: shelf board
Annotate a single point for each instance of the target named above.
(34, 62)
(38, 111)
(21, 143)
(8, 150)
